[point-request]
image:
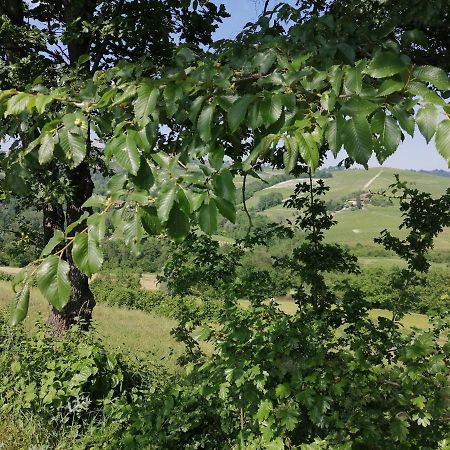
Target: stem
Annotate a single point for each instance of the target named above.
(244, 202)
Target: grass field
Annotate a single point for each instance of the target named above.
(409, 321)
(361, 226)
(129, 331)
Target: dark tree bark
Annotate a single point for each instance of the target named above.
(14, 10)
(81, 302)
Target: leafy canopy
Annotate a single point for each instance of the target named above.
(282, 93)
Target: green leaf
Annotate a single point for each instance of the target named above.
(97, 227)
(336, 76)
(184, 202)
(333, 135)
(215, 157)
(308, 149)
(195, 109)
(358, 106)
(264, 61)
(443, 139)
(46, 148)
(385, 64)
(86, 252)
(19, 278)
(55, 240)
(224, 186)
(18, 104)
(203, 333)
(238, 111)
(73, 144)
(146, 137)
(282, 391)
(145, 103)
(417, 88)
(83, 59)
(226, 209)
(358, 139)
(347, 51)
(390, 137)
(41, 101)
(205, 121)
(127, 154)
(434, 75)
(165, 201)
(162, 159)
(144, 178)
(196, 199)
(427, 120)
(353, 80)
(328, 100)
(53, 281)
(264, 410)
(73, 225)
(178, 224)
(132, 230)
(389, 87)
(254, 117)
(95, 201)
(150, 220)
(207, 217)
(21, 302)
(271, 109)
(116, 182)
(173, 92)
(405, 119)
(259, 150)
(290, 154)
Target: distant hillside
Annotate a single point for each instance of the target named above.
(359, 226)
(438, 172)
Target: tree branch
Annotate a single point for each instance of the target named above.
(101, 50)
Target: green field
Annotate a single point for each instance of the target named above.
(128, 331)
(409, 321)
(361, 226)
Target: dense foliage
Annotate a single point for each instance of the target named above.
(270, 102)
(327, 376)
(171, 132)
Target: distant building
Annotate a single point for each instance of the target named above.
(360, 201)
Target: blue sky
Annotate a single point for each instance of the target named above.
(413, 153)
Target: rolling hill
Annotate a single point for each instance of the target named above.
(360, 226)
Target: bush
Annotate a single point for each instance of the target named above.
(156, 302)
(114, 294)
(71, 387)
(379, 289)
(6, 276)
(269, 200)
(280, 381)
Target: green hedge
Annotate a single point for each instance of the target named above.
(153, 301)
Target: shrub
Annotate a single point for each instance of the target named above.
(71, 390)
(269, 200)
(379, 289)
(280, 381)
(6, 276)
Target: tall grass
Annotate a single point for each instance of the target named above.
(130, 331)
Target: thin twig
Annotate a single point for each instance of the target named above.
(244, 202)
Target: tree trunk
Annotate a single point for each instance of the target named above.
(81, 303)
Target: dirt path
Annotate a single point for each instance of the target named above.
(372, 179)
(149, 282)
(9, 270)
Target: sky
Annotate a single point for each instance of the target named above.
(413, 153)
